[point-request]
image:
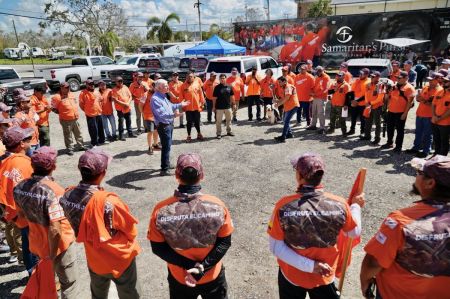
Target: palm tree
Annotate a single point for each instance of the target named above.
(108, 41)
(161, 28)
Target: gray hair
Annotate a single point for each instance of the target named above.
(159, 83)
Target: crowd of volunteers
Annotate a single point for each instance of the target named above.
(407, 258)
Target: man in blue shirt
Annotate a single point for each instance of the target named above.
(164, 112)
(412, 75)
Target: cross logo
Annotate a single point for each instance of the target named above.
(344, 34)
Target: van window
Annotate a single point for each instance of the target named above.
(249, 64)
(223, 67)
(273, 63)
(265, 64)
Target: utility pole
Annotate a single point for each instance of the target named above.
(246, 13)
(197, 4)
(268, 10)
(15, 31)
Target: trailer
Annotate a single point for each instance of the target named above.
(330, 40)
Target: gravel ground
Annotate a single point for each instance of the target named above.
(249, 172)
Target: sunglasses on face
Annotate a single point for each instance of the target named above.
(120, 81)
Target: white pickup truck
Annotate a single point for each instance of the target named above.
(10, 80)
(126, 62)
(82, 68)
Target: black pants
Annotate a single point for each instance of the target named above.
(209, 110)
(95, 128)
(216, 289)
(357, 112)
(420, 77)
(441, 136)
(395, 123)
(165, 132)
(192, 119)
(287, 290)
(254, 100)
(127, 117)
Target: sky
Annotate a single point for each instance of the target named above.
(138, 11)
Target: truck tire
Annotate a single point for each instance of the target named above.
(74, 84)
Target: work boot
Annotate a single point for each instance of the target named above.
(351, 132)
(330, 131)
(280, 139)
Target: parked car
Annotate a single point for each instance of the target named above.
(373, 64)
(244, 64)
(10, 79)
(126, 62)
(82, 68)
(37, 52)
(11, 53)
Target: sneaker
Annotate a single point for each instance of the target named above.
(150, 150)
(280, 139)
(70, 152)
(311, 128)
(121, 138)
(230, 134)
(157, 147)
(259, 119)
(139, 132)
(351, 132)
(200, 137)
(165, 173)
(219, 137)
(188, 139)
(387, 146)
(182, 126)
(422, 155)
(81, 149)
(376, 142)
(132, 135)
(235, 119)
(4, 248)
(289, 136)
(330, 131)
(12, 259)
(412, 151)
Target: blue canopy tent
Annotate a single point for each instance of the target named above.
(215, 46)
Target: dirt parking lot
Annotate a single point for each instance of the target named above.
(249, 172)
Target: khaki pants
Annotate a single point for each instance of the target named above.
(138, 116)
(69, 127)
(66, 270)
(13, 237)
(318, 112)
(235, 108)
(127, 284)
(337, 119)
(219, 116)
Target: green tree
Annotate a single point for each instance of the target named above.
(320, 8)
(161, 28)
(108, 41)
(103, 20)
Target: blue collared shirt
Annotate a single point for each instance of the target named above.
(163, 109)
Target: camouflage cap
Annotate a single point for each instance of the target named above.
(308, 164)
(437, 168)
(17, 92)
(364, 71)
(344, 65)
(95, 160)
(434, 75)
(189, 160)
(403, 74)
(44, 158)
(443, 72)
(14, 135)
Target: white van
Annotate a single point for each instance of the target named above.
(244, 64)
(11, 53)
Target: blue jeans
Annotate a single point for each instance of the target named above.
(95, 128)
(286, 119)
(29, 259)
(165, 135)
(112, 121)
(304, 108)
(424, 134)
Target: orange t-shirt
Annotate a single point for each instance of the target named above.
(174, 88)
(42, 208)
(193, 93)
(13, 170)
(304, 83)
(292, 102)
(321, 87)
(253, 85)
(291, 52)
(208, 212)
(427, 94)
(412, 248)
(294, 222)
(359, 88)
(67, 108)
(208, 87)
(27, 121)
(397, 103)
(106, 102)
(393, 75)
(374, 96)
(38, 105)
(138, 91)
(338, 98)
(310, 43)
(147, 108)
(90, 103)
(442, 105)
(124, 95)
(237, 85)
(266, 91)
